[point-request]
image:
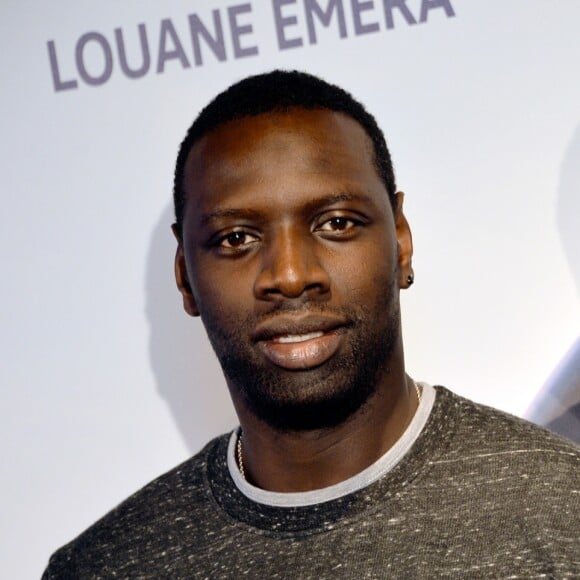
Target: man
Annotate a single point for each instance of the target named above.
(292, 248)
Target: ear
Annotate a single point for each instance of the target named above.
(404, 244)
(182, 278)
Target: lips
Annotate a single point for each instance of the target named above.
(300, 344)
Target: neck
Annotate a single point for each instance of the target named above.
(307, 460)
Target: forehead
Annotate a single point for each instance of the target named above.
(281, 151)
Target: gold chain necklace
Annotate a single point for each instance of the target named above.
(240, 456)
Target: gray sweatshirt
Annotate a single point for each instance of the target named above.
(471, 493)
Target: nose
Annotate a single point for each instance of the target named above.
(291, 267)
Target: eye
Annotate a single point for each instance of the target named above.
(236, 240)
(339, 226)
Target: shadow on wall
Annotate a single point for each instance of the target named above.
(558, 404)
(186, 370)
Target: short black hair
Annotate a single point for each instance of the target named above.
(279, 90)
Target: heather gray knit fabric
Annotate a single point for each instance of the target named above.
(480, 494)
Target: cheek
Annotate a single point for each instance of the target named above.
(220, 292)
(369, 268)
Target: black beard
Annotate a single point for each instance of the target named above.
(318, 398)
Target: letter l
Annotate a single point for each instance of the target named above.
(58, 84)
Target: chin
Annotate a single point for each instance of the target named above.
(309, 414)
(321, 398)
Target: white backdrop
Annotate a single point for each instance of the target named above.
(105, 382)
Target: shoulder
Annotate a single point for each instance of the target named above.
(162, 509)
(482, 421)
(509, 487)
(495, 439)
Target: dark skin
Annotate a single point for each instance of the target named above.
(288, 229)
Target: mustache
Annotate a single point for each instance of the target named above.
(282, 324)
(244, 328)
(301, 319)
(308, 309)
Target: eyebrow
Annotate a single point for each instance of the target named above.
(310, 206)
(336, 198)
(342, 196)
(228, 213)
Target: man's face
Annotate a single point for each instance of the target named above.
(289, 254)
